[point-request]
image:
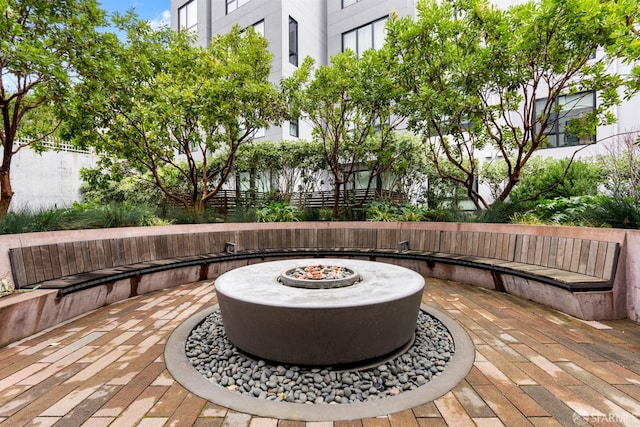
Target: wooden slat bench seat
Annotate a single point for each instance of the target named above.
(573, 282)
(74, 266)
(575, 265)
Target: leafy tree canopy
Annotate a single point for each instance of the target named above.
(170, 104)
(45, 48)
(553, 178)
(477, 77)
(347, 102)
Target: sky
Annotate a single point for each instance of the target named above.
(154, 11)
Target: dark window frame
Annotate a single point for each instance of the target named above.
(293, 41)
(185, 8)
(355, 30)
(235, 3)
(294, 128)
(557, 137)
(351, 3)
(254, 25)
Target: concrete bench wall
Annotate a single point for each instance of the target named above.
(546, 246)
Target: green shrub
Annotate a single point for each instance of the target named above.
(182, 216)
(382, 211)
(411, 213)
(568, 210)
(387, 211)
(586, 211)
(325, 214)
(498, 213)
(242, 214)
(21, 221)
(79, 217)
(318, 214)
(526, 218)
(279, 212)
(123, 215)
(616, 212)
(546, 179)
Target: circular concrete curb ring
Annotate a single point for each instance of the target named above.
(185, 374)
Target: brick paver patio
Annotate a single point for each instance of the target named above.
(533, 366)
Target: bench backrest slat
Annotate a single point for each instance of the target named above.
(491, 245)
(247, 240)
(583, 262)
(78, 256)
(56, 269)
(422, 240)
(542, 250)
(476, 244)
(45, 262)
(552, 254)
(62, 259)
(271, 239)
(592, 258)
(18, 266)
(388, 238)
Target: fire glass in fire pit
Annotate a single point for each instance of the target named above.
(319, 276)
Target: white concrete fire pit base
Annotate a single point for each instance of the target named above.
(365, 321)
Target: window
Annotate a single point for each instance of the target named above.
(259, 27)
(293, 41)
(188, 16)
(346, 3)
(370, 36)
(293, 128)
(566, 108)
(234, 4)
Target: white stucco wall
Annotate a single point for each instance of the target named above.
(42, 181)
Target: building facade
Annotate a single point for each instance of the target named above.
(322, 28)
(295, 29)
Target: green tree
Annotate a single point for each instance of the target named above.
(477, 77)
(621, 167)
(282, 168)
(170, 105)
(626, 42)
(302, 167)
(259, 164)
(45, 46)
(405, 165)
(552, 178)
(287, 166)
(347, 102)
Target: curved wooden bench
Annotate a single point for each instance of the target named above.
(592, 274)
(588, 273)
(572, 264)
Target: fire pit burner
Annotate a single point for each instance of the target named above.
(319, 276)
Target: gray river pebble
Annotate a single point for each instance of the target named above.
(213, 356)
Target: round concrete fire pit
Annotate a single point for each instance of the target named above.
(366, 320)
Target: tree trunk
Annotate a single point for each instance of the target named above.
(6, 192)
(199, 206)
(336, 200)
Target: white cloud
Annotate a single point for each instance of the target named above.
(163, 20)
